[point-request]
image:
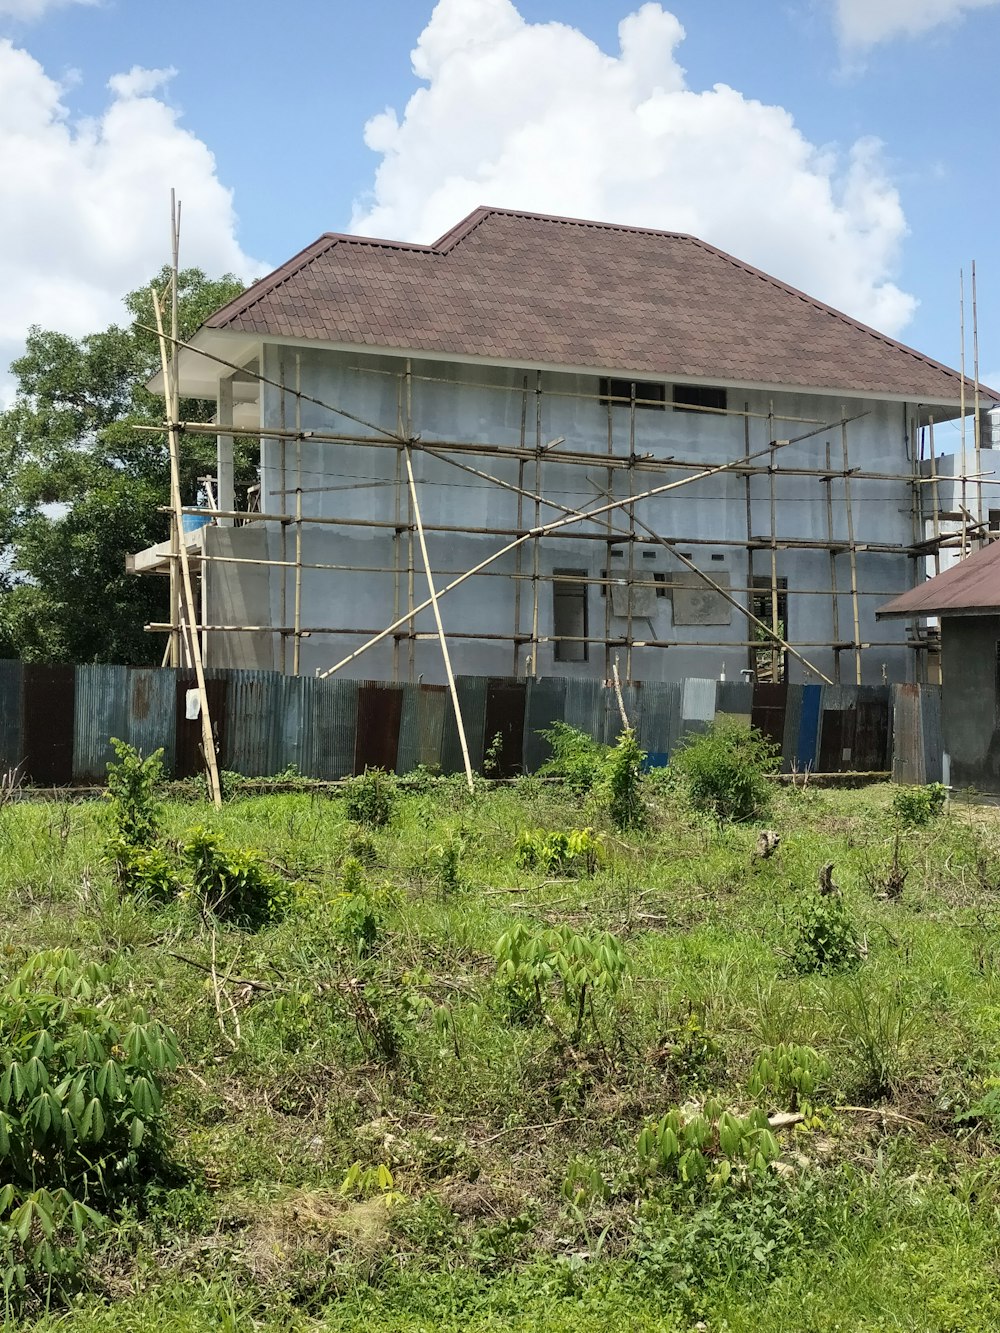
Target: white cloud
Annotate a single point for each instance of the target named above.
(29, 10)
(862, 23)
(86, 201)
(139, 82)
(536, 116)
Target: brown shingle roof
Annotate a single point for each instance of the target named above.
(972, 587)
(529, 289)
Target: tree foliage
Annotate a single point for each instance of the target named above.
(82, 488)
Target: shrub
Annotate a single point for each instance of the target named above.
(916, 806)
(80, 1100)
(575, 853)
(232, 884)
(138, 865)
(622, 783)
(824, 939)
(576, 757)
(724, 770)
(370, 798)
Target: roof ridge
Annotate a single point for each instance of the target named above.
(479, 215)
(827, 309)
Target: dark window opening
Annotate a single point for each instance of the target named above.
(995, 520)
(768, 660)
(688, 396)
(569, 615)
(647, 395)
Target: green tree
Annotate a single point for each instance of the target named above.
(82, 489)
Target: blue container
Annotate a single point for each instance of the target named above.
(192, 522)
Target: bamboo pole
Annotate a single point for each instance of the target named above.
(748, 496)
(170, 382)
(964, 455)
(519, 553)
(535, 552)
(853, 551)
(976, 424)
(774, 550)
(630, 576)
(834, 593)
(297, 611)
(440, 627)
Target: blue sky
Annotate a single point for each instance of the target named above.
(866, 175)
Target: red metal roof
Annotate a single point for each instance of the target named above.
(970, 588)
(525, 288)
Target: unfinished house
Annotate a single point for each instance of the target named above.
(647, 451)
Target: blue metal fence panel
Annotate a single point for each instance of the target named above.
(545, 703)
(11, 678)
(807, 747)
(251, 722)
(659, 703)
(584, 706)
(335, 723)
(293, 733)
(152, 712)
(100, 712)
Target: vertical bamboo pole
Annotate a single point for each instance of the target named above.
(518, 554)
(771, 468)
(834, 595)
(411, 627)
(397, 536)
(283, 457)
(609, 480)
(297, 611)
(630, 590)
(964, 454)
(751, 652)
(536, 554)
(852, 548)
(936, 498)
(976, 425)
(172, 393)
(916, 535)
(437, 620)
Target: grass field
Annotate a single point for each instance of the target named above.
(370, 1128)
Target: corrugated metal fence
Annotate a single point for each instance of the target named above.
(56, 722)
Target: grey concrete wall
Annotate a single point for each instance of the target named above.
(490, 405)
(970, 708)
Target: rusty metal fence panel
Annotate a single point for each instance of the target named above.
(472, 701)
(380, 708)
(504, 722)
(101, 712)
(253, 701)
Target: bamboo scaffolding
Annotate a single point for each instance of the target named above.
(405, 441)
(170, 381)
(440, 626)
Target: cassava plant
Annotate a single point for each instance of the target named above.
(528, 963)
(80, 1113)
(138, 864)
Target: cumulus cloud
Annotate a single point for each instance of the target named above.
(863, 23)
(86, 201)
(537, 116)
(29, 10)
(139, 82)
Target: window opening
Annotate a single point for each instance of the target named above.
(618, 393)
(768, 660)
(569, 615)
(688, 396)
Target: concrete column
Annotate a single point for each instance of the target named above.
(224, 447)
